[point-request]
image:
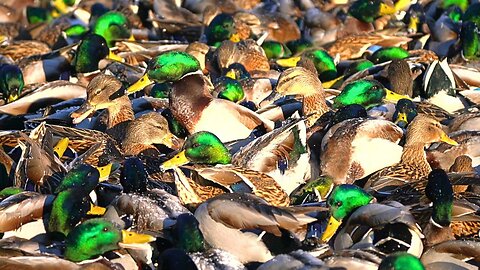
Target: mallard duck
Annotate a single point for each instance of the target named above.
(322, 61)
(206, 148)
(60, 211)
(357, 147)
(247, 52)
(106, 92)
(453, 253)
(369, 11)
(365, 223)
(17, 50)
(191, 96)
(190, 243)
(11, 82)
(413, 165)
(450, 217)
(219, 223)
(225, 27)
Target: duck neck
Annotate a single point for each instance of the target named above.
(189, 96)
(120, 112)
(414, 154)
(315, 106)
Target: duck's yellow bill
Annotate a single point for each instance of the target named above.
(289, 62)
(413, 24)
(401, 117)
(140, 84)
(60, 8)
(330, 84)
(136, 238)
(131, 38)
(444, 138)
(331, 229)
(231, 74)
(104, 171)
(96, 210)
(386, 9)
(402, 5)
(113, 56)
(12, 97)
(61, 147)
(235, 38)
(178, 160)
(394, 97)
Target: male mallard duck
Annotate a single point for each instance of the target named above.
(11, 82)
(413, 165)
(221, 227)
(191, 102)
(366, 11)
(357, 147)
(189, 242)
(366, 223)
(323, 62)
(60, 211)
(206, 148)
(225, 27)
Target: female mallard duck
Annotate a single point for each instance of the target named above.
(18, 50)
(247, 52)
(221, 227)
(191, 102)
(413, 165)
(60, 212)
(11, 82)
(206, 148)
(365, 223)
(106, 92)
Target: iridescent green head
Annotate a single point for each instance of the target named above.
(221, 28)
(72, 199)
(470, 38)
(357, 66)
(91, 238)
(174, 125)
(205, 147)
(298, 46)
(369, 10)
(312, 191)
(76, 30)
(401, 261)
(439, 190)
(387, 54)
(188, 234)
(368, 93)
(405, 112)
(275, 49)
(229, 89)
(472, 14)
(202, 147)
(11, 82)
(167, 67)
(324, 64)
(345, 199)
(133, 176)
(91, 50)
(112, 26)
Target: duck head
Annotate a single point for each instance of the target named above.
(102, 93)
(97, 236)
(387, 54)
(368, 93)
(368, 11)
(170, 66)
(90, 51)
(405, 112)
(202, 147)
(401, 261)
(229, 89)
(221, 28)
(425, 130)
(112, 26)
(343, 201)
(439, 191)
(11, 82)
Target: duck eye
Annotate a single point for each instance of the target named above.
(338, 204)
(195, 145)
(105, 229)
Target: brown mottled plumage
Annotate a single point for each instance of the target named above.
(247, 52)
